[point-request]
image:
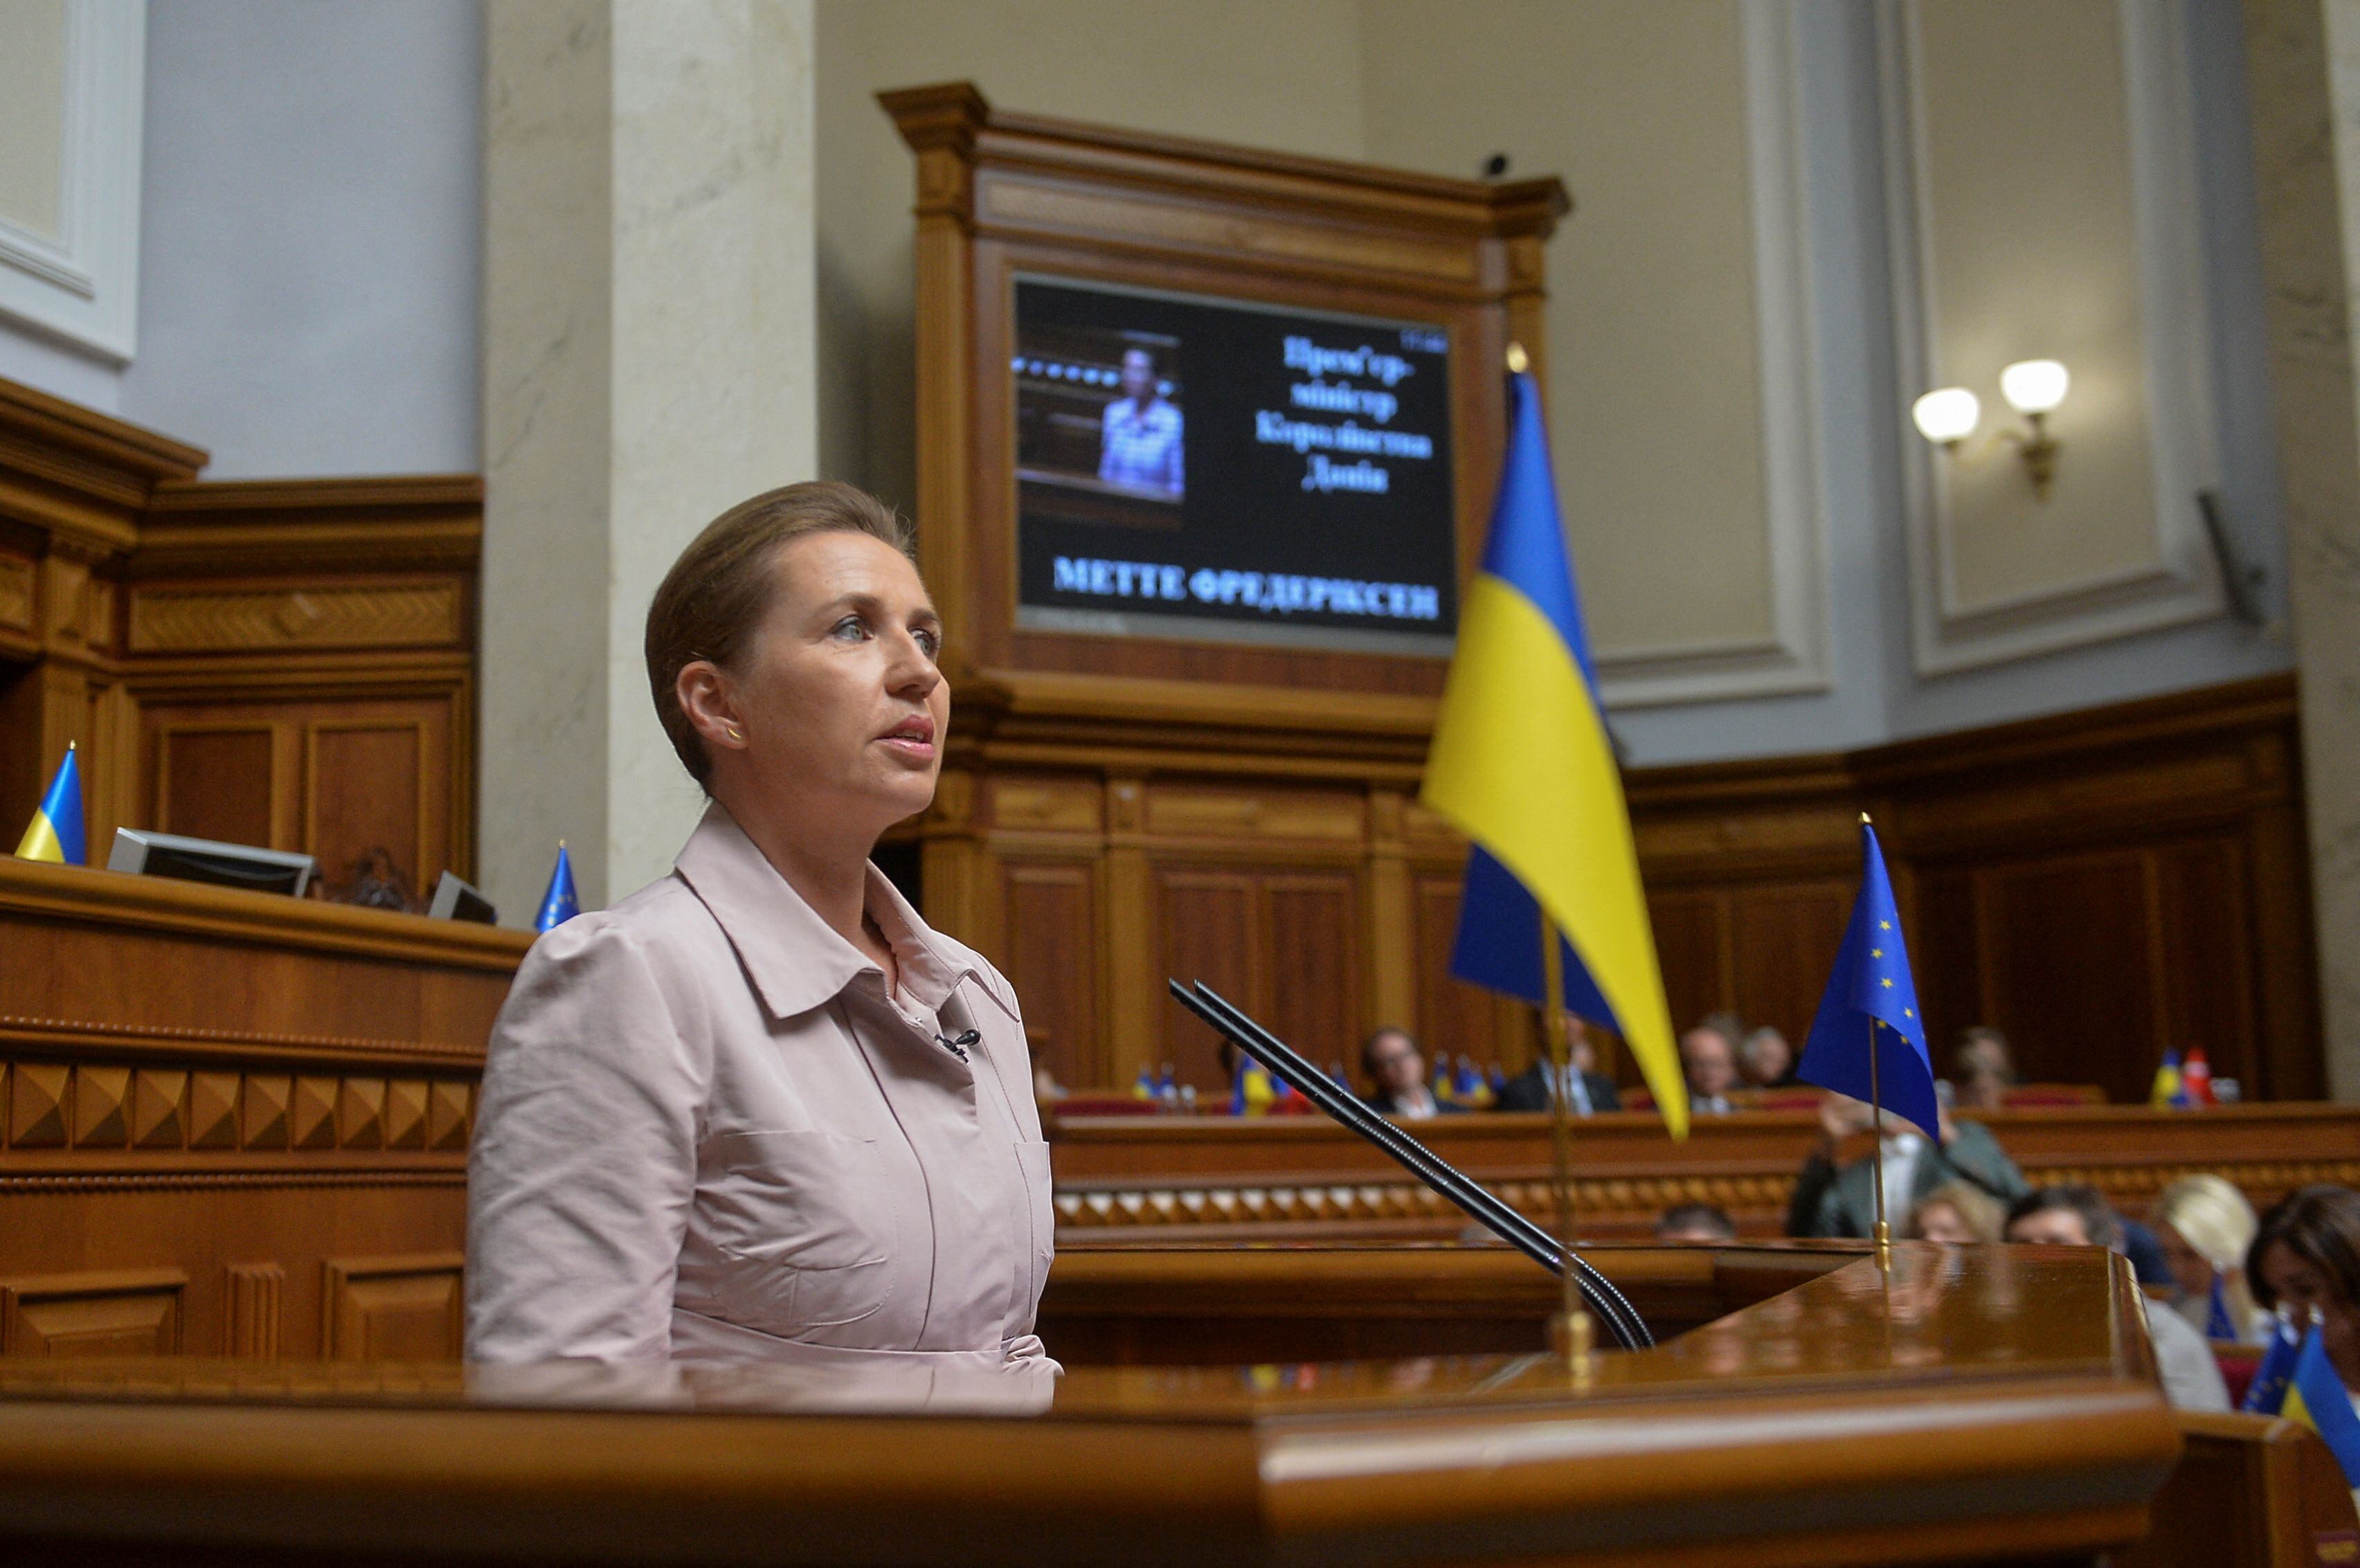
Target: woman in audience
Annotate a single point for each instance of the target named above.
(1957, 1213)
(2306, 1256)
(2205, 1227)
(759, 1109)
(2075, 1215)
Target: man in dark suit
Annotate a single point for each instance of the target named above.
(1832, 1199)
(1592, 1089)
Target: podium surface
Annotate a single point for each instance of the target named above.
(1965, 1405)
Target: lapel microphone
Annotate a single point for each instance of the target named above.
(956, 1044)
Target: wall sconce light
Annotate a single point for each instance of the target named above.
(2033, 387)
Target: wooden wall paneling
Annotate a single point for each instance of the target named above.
(126, 1311)
(1389, 923)
(1696, 949)
(1138, 1010)
(2070, 969)
(1051, 944)
(1785, 942)
(1209, 927)
(216, 777)
(2205, 959)
(1312, 966)
(368, 786)
(410, 1307)
(2289, 1061)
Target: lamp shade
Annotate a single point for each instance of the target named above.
(1947, 414)
(2034, 386)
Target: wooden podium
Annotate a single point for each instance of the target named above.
(1982, 1406)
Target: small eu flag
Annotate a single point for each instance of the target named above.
(2268, 1391)
(2315, 1397)
(560, 903)
(55, 833)
(1871, 996)
(2219, 1323)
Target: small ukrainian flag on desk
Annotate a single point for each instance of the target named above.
(55, 833)
(2316, 1397)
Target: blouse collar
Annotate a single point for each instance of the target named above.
(796, 960)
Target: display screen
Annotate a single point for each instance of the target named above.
(1220, 470)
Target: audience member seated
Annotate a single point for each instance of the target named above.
(1709, 1062)
(1766, 1059)
(1695, 1222)
(2204, 1227)
(1984, 1071)
(1829, 1201)
(1397, 1070)
(1958, 1214)
(2077, 1216)
(1592, 1089)
(2305, 1261)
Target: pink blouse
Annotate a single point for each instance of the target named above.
(707, 1132)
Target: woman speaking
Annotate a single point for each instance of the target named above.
(758, 1109)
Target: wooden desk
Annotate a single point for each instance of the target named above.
(1141, 1178)
(233, 1124)
(1998, 1405)
(1178, 1302)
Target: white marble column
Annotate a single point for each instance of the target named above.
(649, 361)
(2303, 67)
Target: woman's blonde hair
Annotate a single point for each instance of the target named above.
(718, 591)
(1976, 1209)
(2211, 1215)
(2213, 1218)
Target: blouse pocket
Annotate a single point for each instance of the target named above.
(1032, 1157)
(808, 1229)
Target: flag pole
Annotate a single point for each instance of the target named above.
(1877, 1119)
(1572, 1332)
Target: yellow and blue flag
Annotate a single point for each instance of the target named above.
(2315, 1397)
(1871, 995)
(55, 833)
(560, 903)
(1522, 765)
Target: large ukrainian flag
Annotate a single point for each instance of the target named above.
(1522, 765)
(55, 833)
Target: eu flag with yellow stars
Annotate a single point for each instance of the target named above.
(1872, 999)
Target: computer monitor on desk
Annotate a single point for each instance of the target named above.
(140, 851)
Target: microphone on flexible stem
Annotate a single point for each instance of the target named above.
(1479, 1202)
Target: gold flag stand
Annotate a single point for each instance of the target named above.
(1573, 1333)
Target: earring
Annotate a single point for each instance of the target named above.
(735, 734)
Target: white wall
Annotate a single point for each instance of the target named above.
(1876, 695)
(310, 228)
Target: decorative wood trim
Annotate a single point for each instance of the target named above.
(112, 1108)
(205, 620)
(441, 1172)
(1607, 1205)
(251, 1312)
(357, 1294)
(153, 903)
(118, 1311)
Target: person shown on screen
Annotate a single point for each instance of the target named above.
(1141, 442)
